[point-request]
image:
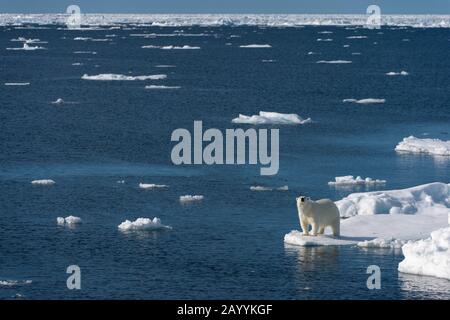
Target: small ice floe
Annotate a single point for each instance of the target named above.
(121, 77)
(334, 61)
(427, 146)
(70, 221)
(357, 37)
(27, 47)
(152, 186)
(120, 181)
(190, 198)
(43, 182)
(255, 46)
(428, 257)
(268, 60)
(262, 188)
(155, 87)
(28, 41)
(325, 32)
(82, 38)
(58, 101)
(365, 101)
(356, 53)
(406, 40)
(401, 73)
(85, 52)
(77, 64)
(312, 53)
(165, 66)
(271, 118)
(382, 243)
(350, 180)
(143, 224)
(14, 283)
(324, 40)
(17, 83)
(185, 47)
(346, 46)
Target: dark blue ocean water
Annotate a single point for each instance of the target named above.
(231, 244)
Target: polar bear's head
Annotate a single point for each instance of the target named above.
(302, 201)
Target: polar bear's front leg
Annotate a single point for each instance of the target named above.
(304, 225)
(315, 229)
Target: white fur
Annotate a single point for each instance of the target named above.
(319, 214)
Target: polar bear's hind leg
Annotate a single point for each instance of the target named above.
(336, 228)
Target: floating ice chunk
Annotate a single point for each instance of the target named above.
(262, 188)
(427, 146)
(185, 47)
(357, 37)
(189, 198)
(346, 46)
(27, 47)
(268, 60)
(350, 180)
(58, 101)
(325, 32)
(165, 66)
(382, 243)
(70, 220)
(17, 83)
(356, 53)
(154, 87)
(365, 101)
(312, 53)
(434, 196)
(152, 186)
(43, 182)
(324, 40)
(271, 118)
(255, 46)
(401, 73)
(334, 61)
(143, 224)
(121, 77)
(14, 283)
(429, 257)
(85, 52)
(82, 38)
(77, 64)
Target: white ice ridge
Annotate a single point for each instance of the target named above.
(43, 182)
(255, 46)
(189, 198)
(155, 87)
(267, 20)
(262, 188)
(428, 146)
(351, 180)
(365, 101)
(122, 77)
(143, 224)
(17, 83)
(271, 118)
(334, 61)
(70, 220)
(429, 257)
(27, 47)
(185, 47)
(401, 73)
(14, 283)
(152, 186)
(385, 219)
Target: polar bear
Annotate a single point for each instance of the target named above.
(319, 214)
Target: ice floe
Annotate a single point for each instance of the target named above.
(385, 219)
(324, 40)
(351, 180)
(14, 283)
(401, 73)
(428, 257)
(262, 188)
(143, 224)
(255, 46)
(17, 83)
(334, 61)
(70, 221)
(271, 118)
(152, 186)
(27, 47)
(43, 182)
(357, 37)
(365, 101)
(182, 20)
(122, 77)
(155, 87)
(412, 144)
(190, 198)
(185, 47)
